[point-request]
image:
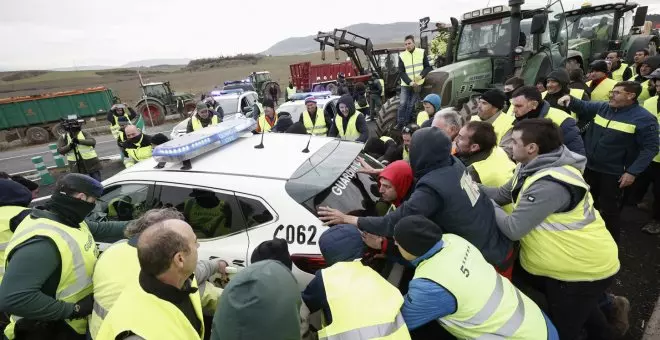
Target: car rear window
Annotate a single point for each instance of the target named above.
(330, 178)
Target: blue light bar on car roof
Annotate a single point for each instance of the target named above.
(317, 95)
(202, 141)
(224, 92)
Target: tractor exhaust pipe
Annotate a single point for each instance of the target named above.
(516, 18)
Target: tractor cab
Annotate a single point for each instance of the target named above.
(591, 30)
(160, 91)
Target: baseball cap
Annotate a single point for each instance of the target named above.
(79, 183)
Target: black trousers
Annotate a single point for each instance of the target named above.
(649, 177)
(572, 306)
(608, 199)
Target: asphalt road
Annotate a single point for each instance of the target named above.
(19, 160)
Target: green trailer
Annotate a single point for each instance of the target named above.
(37, 117)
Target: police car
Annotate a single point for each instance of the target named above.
(238, 190)
(234, 103)
(296, 104)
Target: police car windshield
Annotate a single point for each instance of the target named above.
(330, 178)
(229, 105)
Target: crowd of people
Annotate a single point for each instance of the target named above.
(506, 224)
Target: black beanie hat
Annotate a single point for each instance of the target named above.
(599, 65)
(275, 249)
(417, 234)
(159, 139)
(268, 103)
(495, 98)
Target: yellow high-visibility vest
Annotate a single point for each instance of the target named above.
(206, 222)
(557, 116)
(351, 132)
(617, 75)
(363, 304)
(602, 92)
(487, 305)
(651, 105)
(414, 64)
(290, 91)
(502, 125)
(115, 128)
(197, 124)
(602, 32)
(318, 127)
(577, 93)
(496, 170)
(78, 253)
(85, 151)
(406, 154)
(645, 91)
(572, 245)
(165, 320)
(138, 152)
(6, 214)
(263, 123)
(422, 116)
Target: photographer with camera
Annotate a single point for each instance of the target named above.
(79, 149)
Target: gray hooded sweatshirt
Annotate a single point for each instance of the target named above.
(543, 198)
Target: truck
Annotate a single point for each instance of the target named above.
(489, 46)
(592, 30)
(37, 118)
(307, 77)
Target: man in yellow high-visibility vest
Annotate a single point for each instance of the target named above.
(647, 66)
(619, 70)
(78, 146)
(349, 124)
(316, 121)
(290, 91)
(599, 84)
(566, 252)
(489, 110)
(413, 67)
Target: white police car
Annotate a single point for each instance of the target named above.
(237, 195)
(234, 103)
(324, 100)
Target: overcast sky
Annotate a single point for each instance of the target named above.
(38, 34)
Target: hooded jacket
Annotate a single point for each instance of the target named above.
(260, 302)
(569, 129)
(400, 175)
(446, 195)
(548, 195)
(14, 193)
(613, 151)
(360, 123)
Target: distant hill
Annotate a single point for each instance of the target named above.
(84, 68)
(156, 62)
(379, 34)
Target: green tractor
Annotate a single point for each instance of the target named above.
(592, 30)
(265, 86)
(159, 100)
(489, 46)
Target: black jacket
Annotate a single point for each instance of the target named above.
(361, 123)
(570, 131)
(440, 196)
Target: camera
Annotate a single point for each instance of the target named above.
(72, 124)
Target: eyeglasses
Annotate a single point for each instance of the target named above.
(616, 93)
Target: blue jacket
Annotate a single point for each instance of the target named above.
(619, 140)
(446, 195)
(570, 132)
(427, 300)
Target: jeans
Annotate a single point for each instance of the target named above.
(608, 199)
(408, 99)
(571, 306)
(375, 104)
(651, 176)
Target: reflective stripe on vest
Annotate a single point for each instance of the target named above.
(382, 87)
(496, 170)
(363, 304)
(645, 91)
(117, 268)
(165, 320)
(633, 71)
(85, 151)
(614, 125)
(406, 154)
(6, 214)
(651, 105)
(197, 124)
(263, 122)
(351, 132)
(488, 306)
(577, 93)
(386, 139)
(78, 253)
(422, 116)
(319, 127)
(572, 245)
(602, 92)
(617, 75)
(139, 152)
(114, 128)
(414, 64)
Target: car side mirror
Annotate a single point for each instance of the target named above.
(640, 16)
(539, 23)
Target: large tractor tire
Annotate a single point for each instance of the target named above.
(188, 109)
(271, 90)
(37, 135)
(386, 118)
(157, 112)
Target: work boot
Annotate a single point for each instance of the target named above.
(618, 315)
(652, 228)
